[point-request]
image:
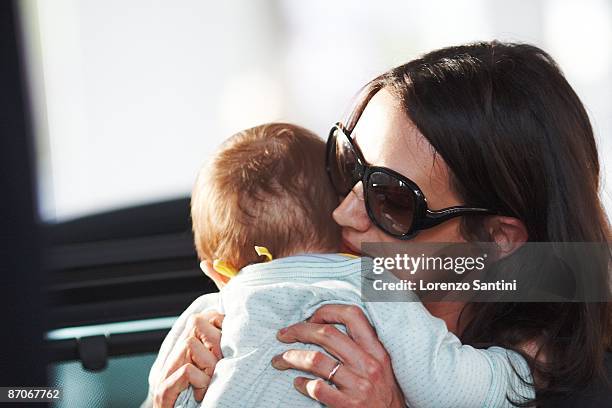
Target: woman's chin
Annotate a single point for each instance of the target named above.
(347, 248)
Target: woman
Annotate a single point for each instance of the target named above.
(488, 125)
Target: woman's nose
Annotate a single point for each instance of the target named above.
(351, 212)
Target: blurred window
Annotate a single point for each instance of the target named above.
(131, 97)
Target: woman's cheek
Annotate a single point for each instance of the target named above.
(449, 231)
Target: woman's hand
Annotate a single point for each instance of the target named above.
(365, 377)
(192, 360)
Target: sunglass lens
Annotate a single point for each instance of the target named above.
(342, 163)
(391, 203)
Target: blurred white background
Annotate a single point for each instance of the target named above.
(131, 97)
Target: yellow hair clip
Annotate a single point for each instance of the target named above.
(263, 251)
(228, 270)
(224, 268)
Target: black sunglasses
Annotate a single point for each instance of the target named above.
(393, 202)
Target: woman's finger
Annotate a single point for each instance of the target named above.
(330, 338)
(168, 390)
(315, 362)
(189, 350)
(321, 391)
(207, 327)
(215, 318)
(198, 393)
(357, 325)
(203, 322)
(201, 356)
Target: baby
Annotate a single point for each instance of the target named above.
(267, 186)
(262, 224)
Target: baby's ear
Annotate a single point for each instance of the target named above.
(207, 268)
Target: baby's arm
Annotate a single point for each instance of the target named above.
(434, 369)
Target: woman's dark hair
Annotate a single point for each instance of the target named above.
(516, 138)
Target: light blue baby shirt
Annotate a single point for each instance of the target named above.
(431, 365)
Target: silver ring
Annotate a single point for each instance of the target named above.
(334, 371)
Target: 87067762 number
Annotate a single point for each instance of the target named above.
(29, 394)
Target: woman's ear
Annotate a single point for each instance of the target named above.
(207, 268)
(508, 233)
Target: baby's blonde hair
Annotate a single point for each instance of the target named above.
(265, 186)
